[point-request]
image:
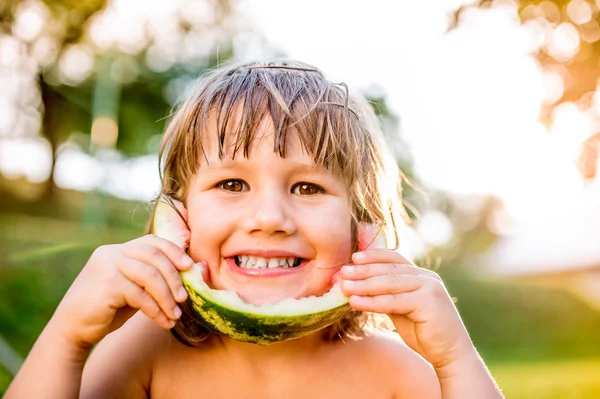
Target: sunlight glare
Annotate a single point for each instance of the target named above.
(45, 50)
(550, 11)
(76, 64)
(563, 42)
(10, 51)
(570, 127)
(76, 170)
(25, 157)
(553, 84)
(30, 18)
(435, 228)
(579, 11)
(8, 116)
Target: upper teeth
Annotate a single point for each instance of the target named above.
(256, 262)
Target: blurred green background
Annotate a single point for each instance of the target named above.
(78, 89)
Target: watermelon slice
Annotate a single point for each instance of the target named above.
(226, 313)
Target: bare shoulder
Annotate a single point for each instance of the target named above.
(412, 375)
(121, 364)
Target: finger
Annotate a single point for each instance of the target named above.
(138, 298)
(170, 220)
(388, 256)
(151, 280)
(370, 236)
(378, 255)
(383, 284)
(153, 256)
(403, 303)
(361, 272)
(176, 255)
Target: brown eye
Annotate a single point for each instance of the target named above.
(307, 189)
(235, 186)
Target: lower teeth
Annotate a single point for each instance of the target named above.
(286, 266)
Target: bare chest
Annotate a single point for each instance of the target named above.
(224, 380)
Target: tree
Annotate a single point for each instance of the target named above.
(64, 24)
(577, 22)
(93, 72)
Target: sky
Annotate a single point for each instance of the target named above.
(468, 103)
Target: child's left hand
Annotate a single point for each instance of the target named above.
(383, 281)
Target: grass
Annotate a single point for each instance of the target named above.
(5, 379)
(564, 379)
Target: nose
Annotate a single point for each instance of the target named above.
(269, 213)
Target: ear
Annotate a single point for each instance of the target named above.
(170, 222)
(370, 236)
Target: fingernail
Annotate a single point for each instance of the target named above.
(347, 269)
(186, 261)
(182, 294)
(177, 312)
(358, 256)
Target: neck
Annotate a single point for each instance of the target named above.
(274, 355)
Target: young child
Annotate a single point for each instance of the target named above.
(265, 159)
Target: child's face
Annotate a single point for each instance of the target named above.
(269, 207)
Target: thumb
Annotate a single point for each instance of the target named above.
(370, 236)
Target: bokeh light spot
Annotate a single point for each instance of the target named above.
(105, 132)
(76, 64)
(563, 42)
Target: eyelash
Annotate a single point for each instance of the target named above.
(222, 185)
(319, 189)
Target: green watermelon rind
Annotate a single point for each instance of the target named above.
(250, 325)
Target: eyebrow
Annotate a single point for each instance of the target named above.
(229, 165)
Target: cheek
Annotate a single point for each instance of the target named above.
(333, 243)
(333, 232)
(209, 225)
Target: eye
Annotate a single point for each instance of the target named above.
(233, 185)
(308, 189)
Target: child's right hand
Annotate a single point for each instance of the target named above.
(117, 281)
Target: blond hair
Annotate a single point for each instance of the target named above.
(340, 131)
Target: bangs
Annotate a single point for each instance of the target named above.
(298, 102)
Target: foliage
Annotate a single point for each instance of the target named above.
(120, 83)
(43, 254)
(573, 379)
(582, 68)
(517, 322)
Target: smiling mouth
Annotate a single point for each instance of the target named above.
(257, 262)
